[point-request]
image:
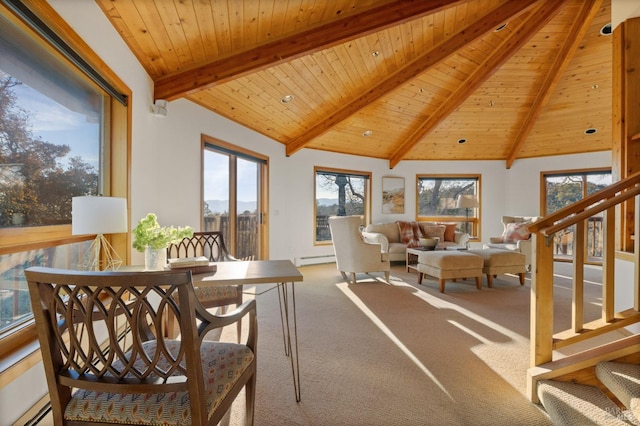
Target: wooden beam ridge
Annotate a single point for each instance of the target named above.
(578, 30)
(537, 20)
(296, 45)
(465, 36)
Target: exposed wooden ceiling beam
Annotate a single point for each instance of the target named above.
(465, 36)
(304, 43)
(538, 19)
(573, 40)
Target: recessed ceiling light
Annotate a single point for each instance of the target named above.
(461, 141)
(367, 133)
(606, 30)
(286, 99)
(501, 27)
(590, 131)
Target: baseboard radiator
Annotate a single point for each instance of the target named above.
(315, 260)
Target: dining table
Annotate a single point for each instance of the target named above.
(281, 273)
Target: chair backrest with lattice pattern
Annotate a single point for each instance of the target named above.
(103, 331)
(209, 244)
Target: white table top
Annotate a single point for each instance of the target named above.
(243, 272)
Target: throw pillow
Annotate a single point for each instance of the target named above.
(434, 231)
(409, 233)
(450, 232)
(515, 232)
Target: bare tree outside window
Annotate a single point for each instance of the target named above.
(339, 193)
(437, 196)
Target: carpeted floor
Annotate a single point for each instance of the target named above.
(403, 354)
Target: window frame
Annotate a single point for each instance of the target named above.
(582, 173)
(475, 218)
(367, 202)
(21, 341)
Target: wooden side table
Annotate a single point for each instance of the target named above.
(412, 257)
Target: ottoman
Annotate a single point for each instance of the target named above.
(450, 264)
(498, 261)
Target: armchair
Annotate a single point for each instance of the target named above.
(515, 236)
(107, 360)
(353, 254)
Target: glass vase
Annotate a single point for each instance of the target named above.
(155, 259)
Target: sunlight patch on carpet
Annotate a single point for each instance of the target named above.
(570, 279)
(509, 360)
(443, 304)
(344, 287)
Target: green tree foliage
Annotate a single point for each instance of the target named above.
(34, 181)
(566, 190)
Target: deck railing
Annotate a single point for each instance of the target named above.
(576, 217)
(246, 233)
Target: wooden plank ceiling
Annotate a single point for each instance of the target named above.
(391, 79)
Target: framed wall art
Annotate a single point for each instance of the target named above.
(392, 195)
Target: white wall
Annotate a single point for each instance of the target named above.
(166, 173)
(621, 10)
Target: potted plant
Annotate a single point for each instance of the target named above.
(152, 239)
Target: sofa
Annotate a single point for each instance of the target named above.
(395, 237)
(515, 236)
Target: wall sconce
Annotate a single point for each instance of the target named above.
(160, 108)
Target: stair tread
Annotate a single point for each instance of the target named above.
(623, 380)
(572, 404)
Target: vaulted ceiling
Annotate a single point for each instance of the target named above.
(391, 79)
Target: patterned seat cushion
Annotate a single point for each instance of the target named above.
(222, 363)
(215, 292)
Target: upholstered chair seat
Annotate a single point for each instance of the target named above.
(221, 364)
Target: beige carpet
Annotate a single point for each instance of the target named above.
(403, 354)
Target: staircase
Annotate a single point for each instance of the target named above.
(570, 404)
(599, 385)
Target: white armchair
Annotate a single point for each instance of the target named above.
(353, 254)
(515, 236)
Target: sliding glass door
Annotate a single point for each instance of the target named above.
(234, 197)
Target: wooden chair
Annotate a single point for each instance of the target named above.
(210, 244)
(106, 360)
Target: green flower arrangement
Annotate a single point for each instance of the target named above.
(149, 233)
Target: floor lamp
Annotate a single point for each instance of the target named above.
(467, 202)
(99, 215)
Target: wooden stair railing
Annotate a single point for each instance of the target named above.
(604, 202)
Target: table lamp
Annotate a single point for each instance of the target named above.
(467, 202)
(99, 215)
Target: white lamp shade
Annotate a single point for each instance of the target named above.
(467, 202)
(98, 215)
